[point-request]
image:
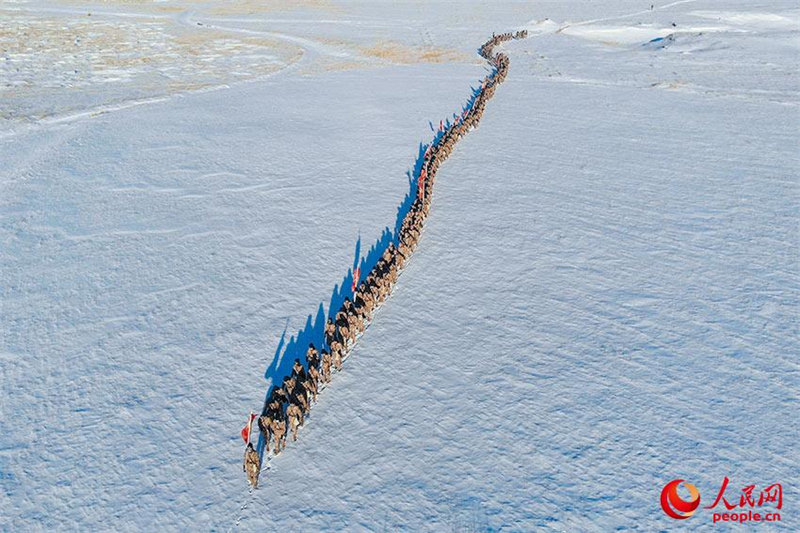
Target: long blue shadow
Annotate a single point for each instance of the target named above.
(313, 330)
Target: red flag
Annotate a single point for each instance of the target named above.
(421, 183)
(441, 125)
(246, 429)
(356, 275)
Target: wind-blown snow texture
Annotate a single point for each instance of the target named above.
(605, 297)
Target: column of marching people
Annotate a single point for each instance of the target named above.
(288, 404)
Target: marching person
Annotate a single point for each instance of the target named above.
(278, 426)
(252, 465)
(295, 415)
(312, 356)
(298, 370)
(330, 331)
(326, 366)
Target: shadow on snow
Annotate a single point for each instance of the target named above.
(314, 328)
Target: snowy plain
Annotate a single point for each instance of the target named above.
(605, 297)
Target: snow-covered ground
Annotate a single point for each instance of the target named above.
(605, 297)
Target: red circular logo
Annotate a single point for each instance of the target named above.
(674, 505)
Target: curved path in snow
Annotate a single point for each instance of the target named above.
(374, 277)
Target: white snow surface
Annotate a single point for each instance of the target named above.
(605, 297)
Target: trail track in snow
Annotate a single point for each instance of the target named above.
(266, 455)
(436, 153)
